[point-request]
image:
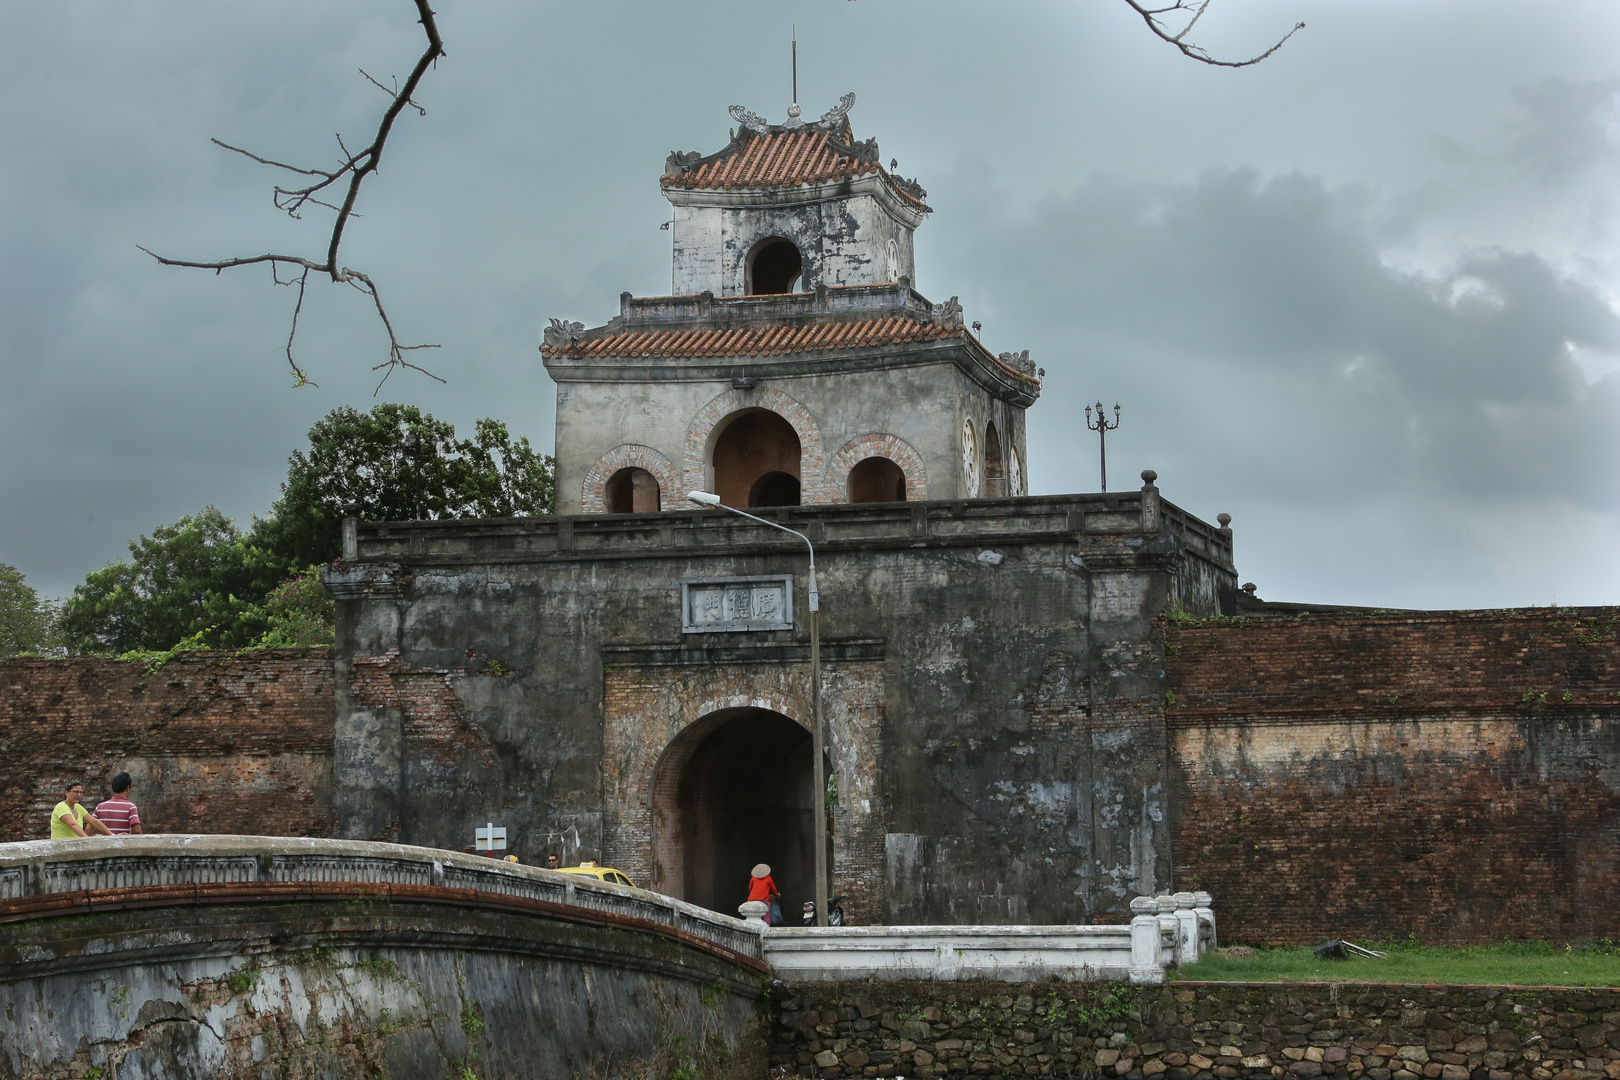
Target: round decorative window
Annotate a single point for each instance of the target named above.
(1015, 475)
(970, 459)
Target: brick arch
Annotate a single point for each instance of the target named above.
(892, 447)
(812, 458)
(623, 457)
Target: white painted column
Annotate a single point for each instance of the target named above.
(1145, 961)
(1187, 918)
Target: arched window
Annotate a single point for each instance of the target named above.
(756, 460)
(877, 479)
(995, 471)
(774, 266)
(631, 491)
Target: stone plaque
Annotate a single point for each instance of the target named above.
(749, 603)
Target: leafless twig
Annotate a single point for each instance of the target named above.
(1193, 10)
(356, 167)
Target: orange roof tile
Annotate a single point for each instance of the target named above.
(755, 340)
(783, 159)
(773, 340)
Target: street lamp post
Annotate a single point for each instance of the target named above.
(705, 498)
(1102, 428)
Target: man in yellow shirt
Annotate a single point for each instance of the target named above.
(69, 819)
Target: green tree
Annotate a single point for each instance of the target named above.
(193, 577)
(28, 624)
(397, 463)
(299, 612)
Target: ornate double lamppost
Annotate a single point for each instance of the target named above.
(705, 498)
(1102, 427)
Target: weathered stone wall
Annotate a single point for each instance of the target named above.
(1199, 1031)
(354, 988)
(997, 730)
(215, 742)
(1450, 774)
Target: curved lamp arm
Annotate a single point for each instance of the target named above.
(705, 498)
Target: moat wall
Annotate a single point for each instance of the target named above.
(1199, 1031)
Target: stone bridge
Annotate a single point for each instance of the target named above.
(233, 956)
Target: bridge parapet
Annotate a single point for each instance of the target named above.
(43, 877)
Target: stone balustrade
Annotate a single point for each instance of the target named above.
(1167, 931)
(35, 873)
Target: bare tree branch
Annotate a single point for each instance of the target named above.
(292, 201)
(1154, 18)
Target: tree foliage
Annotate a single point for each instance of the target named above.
(28, 624)
(189, 578)
(397, 463)
(204, 579)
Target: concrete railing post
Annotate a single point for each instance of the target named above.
(753, 913)
(1146, 965)
(351, 530)
(1206, 920)
(1169, 926)
(1150, 502)
(1187, 938)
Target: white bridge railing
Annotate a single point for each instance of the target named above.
(1166, 931)
(38, 868)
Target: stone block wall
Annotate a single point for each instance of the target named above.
(1450, 774)
(1199, 1031)
(215, 742)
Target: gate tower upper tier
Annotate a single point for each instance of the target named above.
(795, 361)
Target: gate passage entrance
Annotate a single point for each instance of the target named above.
(732, 790)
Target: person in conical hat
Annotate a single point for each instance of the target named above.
(761, 887)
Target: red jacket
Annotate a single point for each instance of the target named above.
(762, 888)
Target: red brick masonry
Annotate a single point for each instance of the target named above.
(214, 743)
(1450, 774)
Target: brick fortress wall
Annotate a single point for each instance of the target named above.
(215, 743)
(1450, 774)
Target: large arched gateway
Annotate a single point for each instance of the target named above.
(734, 789)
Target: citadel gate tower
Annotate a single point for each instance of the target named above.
(630, 678)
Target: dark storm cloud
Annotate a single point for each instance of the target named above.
(1275, 285)
(1355, 295)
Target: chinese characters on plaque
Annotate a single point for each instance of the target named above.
(753, 603)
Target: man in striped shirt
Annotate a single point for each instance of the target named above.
(118, 813)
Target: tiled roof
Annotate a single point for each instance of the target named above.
(773, 340)
(756, 340)
(783, 159)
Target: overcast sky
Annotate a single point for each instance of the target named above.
(1363, 297)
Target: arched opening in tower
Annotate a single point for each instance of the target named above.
(995, 469)
(877, 479)
(631, 491)
(756, 461)
(733, 790)
(774, 266)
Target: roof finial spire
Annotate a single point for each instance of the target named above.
(793, 120)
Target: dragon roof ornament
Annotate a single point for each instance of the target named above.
(830, 119)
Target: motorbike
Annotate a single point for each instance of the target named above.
(835, 912)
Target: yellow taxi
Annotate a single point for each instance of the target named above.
(601, 873)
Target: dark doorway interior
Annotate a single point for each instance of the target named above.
(775, 489)
(734, 790)
(631, 491)
(995, 472)
(756, 457)
(775, 268)
(877, 479)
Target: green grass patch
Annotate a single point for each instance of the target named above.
(1512, 963)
